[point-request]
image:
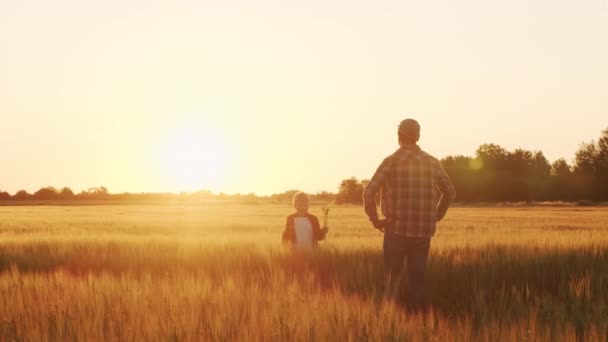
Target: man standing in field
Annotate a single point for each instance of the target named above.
(416, 194)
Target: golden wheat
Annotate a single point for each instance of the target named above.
(219, 273)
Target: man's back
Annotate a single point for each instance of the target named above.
(409, 179)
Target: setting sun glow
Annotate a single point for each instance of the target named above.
(266, 96)
(194, 159)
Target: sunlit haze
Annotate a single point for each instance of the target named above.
(266, 96)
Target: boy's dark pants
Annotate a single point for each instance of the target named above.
(396, 248)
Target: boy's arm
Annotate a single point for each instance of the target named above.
(289, 233)
(318, 233)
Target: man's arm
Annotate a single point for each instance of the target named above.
(448, 192)
(372, 188)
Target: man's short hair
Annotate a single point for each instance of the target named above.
(409, 131)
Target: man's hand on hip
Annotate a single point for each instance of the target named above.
(380, 224)
(441, 215)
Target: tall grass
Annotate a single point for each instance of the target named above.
(189, 273)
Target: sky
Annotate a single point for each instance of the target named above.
(265, 96)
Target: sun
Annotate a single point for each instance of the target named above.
(195, 158)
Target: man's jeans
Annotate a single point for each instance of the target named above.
(396, 248)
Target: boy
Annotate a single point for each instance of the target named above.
(302, 230)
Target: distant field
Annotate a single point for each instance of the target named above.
(219, 273)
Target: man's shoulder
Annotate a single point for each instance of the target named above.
(409, 153)
(388, 162)
(391, 157)
(429, 156)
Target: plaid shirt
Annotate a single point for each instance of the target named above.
(409, 180)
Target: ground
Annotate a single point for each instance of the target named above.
(218, 272)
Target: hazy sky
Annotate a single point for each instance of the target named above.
(265, 96)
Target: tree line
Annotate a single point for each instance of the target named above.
(52, 193)
(493, 174)
(102, 194)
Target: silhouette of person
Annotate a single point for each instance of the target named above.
(416, 193)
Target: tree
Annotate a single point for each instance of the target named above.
(323, 197)
(511, 175)
(561, 169)
(585, 158)
(95, 193)
(539, 174)
(465, 173)
(601, 163)
(350, 191)
(561, 181)
(492, 155)
(284, 197)
(48, 193)
(22, 195)
(602, 150)
(591, 169)
(4, 195)
(66, 193)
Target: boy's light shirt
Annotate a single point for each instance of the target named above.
(303, 230)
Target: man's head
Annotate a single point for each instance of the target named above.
(301, 202)
(409, 132)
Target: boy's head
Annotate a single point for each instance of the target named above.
(301, 202)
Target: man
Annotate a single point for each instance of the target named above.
(416, 194)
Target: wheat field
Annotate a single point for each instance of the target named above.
(219, 273)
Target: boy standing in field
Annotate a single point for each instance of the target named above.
(302, 229)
